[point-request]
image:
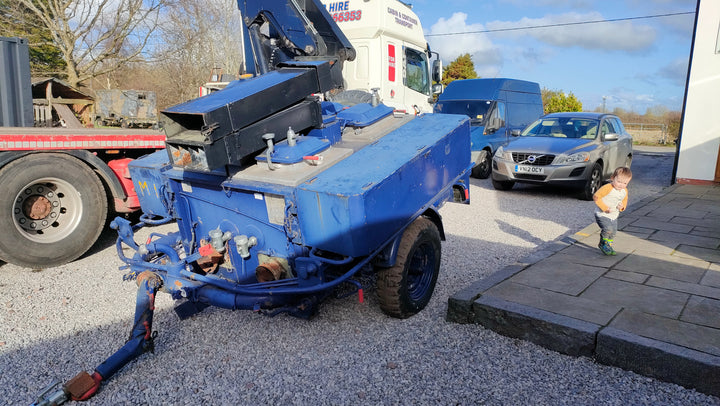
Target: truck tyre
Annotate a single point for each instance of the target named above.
(593, 183)
(406, 288)
(52, 210)
(484, 165)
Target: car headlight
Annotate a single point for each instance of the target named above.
(500, 153)
(574, 158)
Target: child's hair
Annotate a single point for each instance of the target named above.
(623, 172)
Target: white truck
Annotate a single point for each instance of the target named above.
(392, 53)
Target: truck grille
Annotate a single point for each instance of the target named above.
(540, 160)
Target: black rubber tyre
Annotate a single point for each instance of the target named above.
(406, 288)
(483, 169)
(593, 182)
(502, 184)
(52, 210)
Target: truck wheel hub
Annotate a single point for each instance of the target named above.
(37, 207)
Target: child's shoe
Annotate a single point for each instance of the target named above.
(606, 248)
(611, 249)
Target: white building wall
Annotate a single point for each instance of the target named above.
(700, 140)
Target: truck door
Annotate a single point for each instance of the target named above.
(417, 79)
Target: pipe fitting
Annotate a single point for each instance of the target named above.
(243, 244)
(270, 270)
(218, 239)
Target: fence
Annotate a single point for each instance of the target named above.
(648, 133)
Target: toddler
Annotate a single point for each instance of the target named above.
(611, 199)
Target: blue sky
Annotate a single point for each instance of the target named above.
(635, 64)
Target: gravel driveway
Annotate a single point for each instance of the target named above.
(59, 321)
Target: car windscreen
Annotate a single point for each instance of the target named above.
(562, 127)
(475, 109)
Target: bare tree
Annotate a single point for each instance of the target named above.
(96, 37)
(198, 36)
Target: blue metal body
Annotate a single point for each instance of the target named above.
(324, 223)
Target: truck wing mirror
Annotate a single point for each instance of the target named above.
(437, 70)
(515, 133)
(494, 124)
(438, 88)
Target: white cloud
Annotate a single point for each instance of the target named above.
(485, 55)
(566, 4)
(611, 36)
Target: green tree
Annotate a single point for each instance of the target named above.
(556, 101)
(17, 21)
(461, 68)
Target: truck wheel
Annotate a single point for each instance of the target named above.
(406, 288)
(484, 166)
(52, 210)
(593, 183)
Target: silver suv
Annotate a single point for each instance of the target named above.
(579, 150)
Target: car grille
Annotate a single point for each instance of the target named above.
(540, 160)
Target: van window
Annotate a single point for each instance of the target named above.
(416, 71)
(477, 110)
(499, 112)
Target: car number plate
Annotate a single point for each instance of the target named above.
(529, 169)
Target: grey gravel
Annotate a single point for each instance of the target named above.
(59, 321)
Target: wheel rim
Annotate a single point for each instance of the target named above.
(484, 164)
(421, 270)
(594, 180)
(47, 210)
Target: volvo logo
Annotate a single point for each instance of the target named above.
(532, 159)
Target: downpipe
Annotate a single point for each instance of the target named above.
(83, 386)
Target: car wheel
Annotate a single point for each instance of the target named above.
(593, 182)
(503, 184)
(484, 166)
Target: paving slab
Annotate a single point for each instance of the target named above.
(654, 308)
(712, 276)
(613, 292)
(669, 266)
(560, 276)
(667, 329)
(702, 311)
(687, 239)
(690, 251)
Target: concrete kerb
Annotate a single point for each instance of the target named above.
(658, 359)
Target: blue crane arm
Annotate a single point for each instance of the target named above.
(297, 51)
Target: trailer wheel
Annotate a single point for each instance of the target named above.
(52, 210)
(406, 288)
